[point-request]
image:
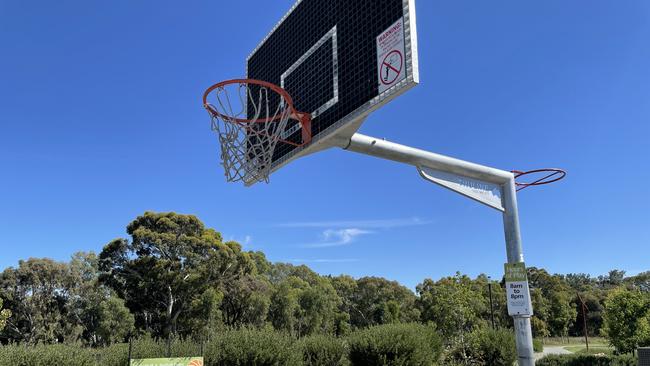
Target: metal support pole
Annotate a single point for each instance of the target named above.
(388, 150)
(523, 332)
(491, 306)
(584, 320)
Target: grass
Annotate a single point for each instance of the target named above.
(558, 341)
(577, 344)
(593, 349)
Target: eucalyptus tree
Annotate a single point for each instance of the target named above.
(4, 315)
(168, 264)
(36, 292)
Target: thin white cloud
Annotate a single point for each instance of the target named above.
(335, 238)
(245, 241)
(324, 260)
(364, 224)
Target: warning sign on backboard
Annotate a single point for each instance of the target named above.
(390, 56)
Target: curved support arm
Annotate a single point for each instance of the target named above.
(505, 181)
(389, 150)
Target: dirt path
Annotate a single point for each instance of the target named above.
(552, 350)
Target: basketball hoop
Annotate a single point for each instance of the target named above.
(550, 175)
(251, 117)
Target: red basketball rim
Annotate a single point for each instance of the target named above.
(551, 175)
(300, 116)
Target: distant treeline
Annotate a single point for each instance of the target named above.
(176, 278)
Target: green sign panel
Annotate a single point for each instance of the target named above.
(515, 272)
(181, 361)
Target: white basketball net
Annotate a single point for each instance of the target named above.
(249, 120)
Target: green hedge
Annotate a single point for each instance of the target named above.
(236, 347)
(538, 346)
(252, 347)
(322, 350)
(115, 355)
(395, 344)
(492, 347)
(118, 354)
(386, 345)
(483, 346)
(19, 355)
(587, 360)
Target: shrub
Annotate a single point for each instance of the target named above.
(46, 355)
(146, 347)
(395, 344)
(538, 346)
(587, 360)
(321, 350)
(113, 355)
(624, 360)
(483, 346)
(236, 347)
(252, 347)
(492, 347)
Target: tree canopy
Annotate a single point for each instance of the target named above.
(167, 266)
(627, 320)
(4, 315)
(172, 276)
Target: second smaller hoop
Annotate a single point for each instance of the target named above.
(550, 175)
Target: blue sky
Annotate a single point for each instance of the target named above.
(101, 120)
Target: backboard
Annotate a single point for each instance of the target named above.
(339, 60)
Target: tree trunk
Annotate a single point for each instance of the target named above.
(170, 309)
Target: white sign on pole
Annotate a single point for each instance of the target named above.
(391, 60)
(517, 289)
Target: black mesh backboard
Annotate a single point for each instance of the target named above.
(339, 60)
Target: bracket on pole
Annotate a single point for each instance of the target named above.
(492, 187)
(486, 193)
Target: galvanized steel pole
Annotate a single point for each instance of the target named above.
(491, 305)
(388, 150)
(523, 332)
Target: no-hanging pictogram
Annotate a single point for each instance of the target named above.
(391, 67)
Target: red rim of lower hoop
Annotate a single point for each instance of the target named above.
(553, 175)
(302, 117)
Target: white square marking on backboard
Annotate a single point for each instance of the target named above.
(331, 34)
